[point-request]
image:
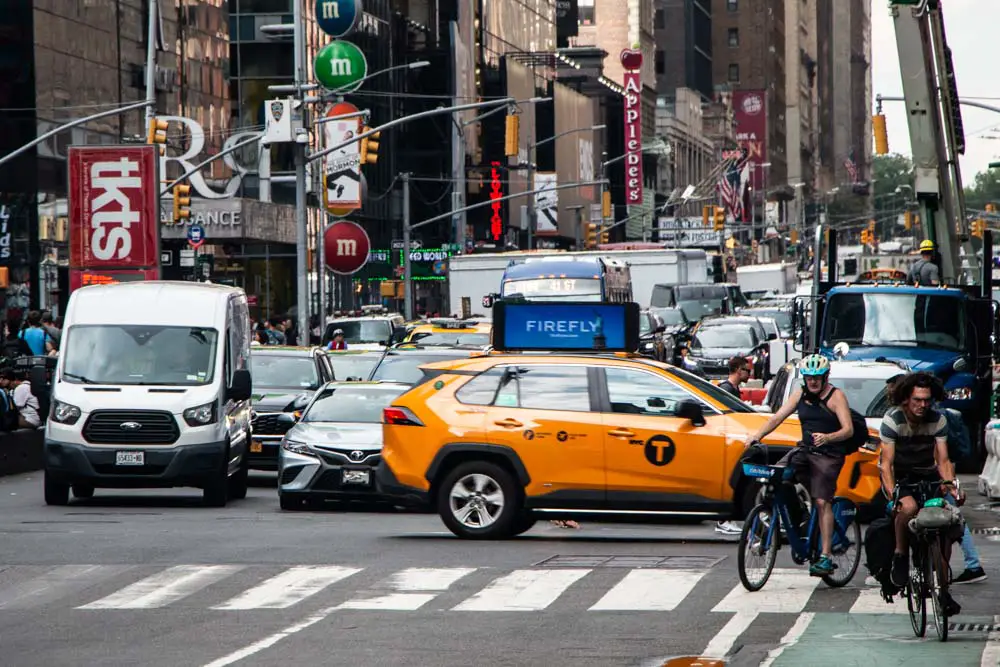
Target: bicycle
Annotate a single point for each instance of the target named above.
(929, 573)
(762, 531)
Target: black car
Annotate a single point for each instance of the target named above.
(677, 326)
(653, 342)
(284, 380)
(712, 348)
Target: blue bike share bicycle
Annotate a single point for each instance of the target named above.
(771, 521)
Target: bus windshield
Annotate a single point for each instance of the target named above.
(552, 289)
(882, 318)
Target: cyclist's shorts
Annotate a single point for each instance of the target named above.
(819, 469)
(919, 495)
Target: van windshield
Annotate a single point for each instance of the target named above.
(139, 355)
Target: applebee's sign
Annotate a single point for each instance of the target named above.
(631, 60)
(192, 156)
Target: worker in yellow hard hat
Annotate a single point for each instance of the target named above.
(924, 271)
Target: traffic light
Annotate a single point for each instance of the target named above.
(978, 227)
(511, 135)
(590, 235)
(369, 147)
(156, 133)
(606, 204)
(881, 134)
(826, 236)
(793, 236)
(706, 215)
(864, 237)
(719, 218)
(605, 235)
(182, 202)
(908, 220)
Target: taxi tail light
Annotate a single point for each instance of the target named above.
(400, 417)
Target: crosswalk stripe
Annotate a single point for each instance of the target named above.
(869, 601)
(786, 592)
(412, 589)
(54, 584)
(290, 587)
(164, 588)
(523, 590)
(649, 590)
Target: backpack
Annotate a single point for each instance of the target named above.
(880, 543)
(959, 442)
(860, 427)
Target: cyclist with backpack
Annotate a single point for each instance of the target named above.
(827, 426)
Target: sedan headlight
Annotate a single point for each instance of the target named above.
(200, 415)
(648, 345)
(64, 413)
(959, 394)
(296, 447)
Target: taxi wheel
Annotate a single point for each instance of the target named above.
(479, 500)
(524, 523)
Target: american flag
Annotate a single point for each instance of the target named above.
(732, 184)
(852, 168)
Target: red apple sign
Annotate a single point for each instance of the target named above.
(347, 247)
(631, 59)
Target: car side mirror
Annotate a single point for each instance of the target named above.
(241, 388)
(287, 418)
(39, 382)
(772, 336)
(692, 411)
(655, 402)
(960, 365)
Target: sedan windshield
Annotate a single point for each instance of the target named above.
(405, 366)
(273, 371)
(348, 366)
(673, 317)
(139, 355)
(361, 332)
(881, 318)
(362, 404)
(738, 337)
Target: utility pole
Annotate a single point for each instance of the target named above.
(151, 62)
(531, 199)
(301, 232)
(407, 269)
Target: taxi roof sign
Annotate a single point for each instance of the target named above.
(448, 323)
(565, 327)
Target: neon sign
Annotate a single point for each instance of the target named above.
(496, 222)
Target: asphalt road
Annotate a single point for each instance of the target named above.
(153, 578)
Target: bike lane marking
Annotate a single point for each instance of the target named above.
(991, 652)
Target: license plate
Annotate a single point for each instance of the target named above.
(130, 458)
(256, 447)
(357, 476)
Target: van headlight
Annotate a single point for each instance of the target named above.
(959, 394)
(296, 447)
(200, 415)
(64, 413)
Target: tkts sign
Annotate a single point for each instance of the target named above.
(114, 209)
(631, 60)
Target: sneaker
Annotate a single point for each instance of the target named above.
(728, 528)
(822, 567)
(970, 576)
(949, 606)
(900, 570)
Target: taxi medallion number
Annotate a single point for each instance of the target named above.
(130, 458)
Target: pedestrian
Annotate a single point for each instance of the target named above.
(338, 342)
(274, 335)
(290, 331)
(8, 413)
(739, 372)
(54, 332)
(35, 336)
(28, 411)
(924, 271)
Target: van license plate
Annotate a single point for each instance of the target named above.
(130, 458)
(357, 476)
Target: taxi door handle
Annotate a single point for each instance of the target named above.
(508, 423)
(621, 433)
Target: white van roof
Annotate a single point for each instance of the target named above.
(163, 302)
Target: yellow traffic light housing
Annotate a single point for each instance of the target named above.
(590, 235)
(881, 134)
(864, 237)
(907, 220)
(369, 147)
(605, 236)
(606, 204)
(157, 131)
(978, 227)
(793, 236)
(719, 218)
(706, 215)
(512, 133)
(182, 202)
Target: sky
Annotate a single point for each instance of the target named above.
(968, 24)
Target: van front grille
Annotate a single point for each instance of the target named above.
(131, 427)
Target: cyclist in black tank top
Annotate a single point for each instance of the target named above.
(826, 421)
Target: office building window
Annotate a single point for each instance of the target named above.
(734, 36)
(732, 5)
(585, 11)
(661, 62)
(734, 73)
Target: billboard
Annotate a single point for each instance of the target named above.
(576, 152)
(342, 168)
(114, 208)
(750, 121)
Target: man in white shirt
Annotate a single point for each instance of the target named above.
(27, 407)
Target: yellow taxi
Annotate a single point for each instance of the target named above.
(451, 332)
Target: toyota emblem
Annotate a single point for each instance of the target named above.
(357, 455)
(130, 426)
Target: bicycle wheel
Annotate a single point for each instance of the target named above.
(846, 543)
(756, 556)
(915, 601)
(933, 578)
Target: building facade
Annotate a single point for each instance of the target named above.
(801, 108)
(683, 56)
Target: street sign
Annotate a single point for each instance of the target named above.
(195, 235)
(337, 17)
(342, 189)
(166, 258)
(340, 66)
(397, 244)
(347, 247)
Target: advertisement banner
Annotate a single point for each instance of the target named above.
(342, 167)
(750, 121)
(632, 62)
(114, 207)
(565, 326)
(546, 203)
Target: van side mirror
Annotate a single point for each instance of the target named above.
(241, 387)
(772, 336)
(692, 411)
(39, 382)
(286, 418)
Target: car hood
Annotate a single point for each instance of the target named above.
(280, 400)
(929, 359)
(338, 435)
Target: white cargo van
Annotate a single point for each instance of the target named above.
(152, 390)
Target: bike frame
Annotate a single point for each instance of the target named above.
(803, 547)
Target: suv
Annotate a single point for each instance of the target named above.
(284, 380)
(373, 330)
(492, 441)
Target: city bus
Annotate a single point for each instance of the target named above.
(567, 278)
